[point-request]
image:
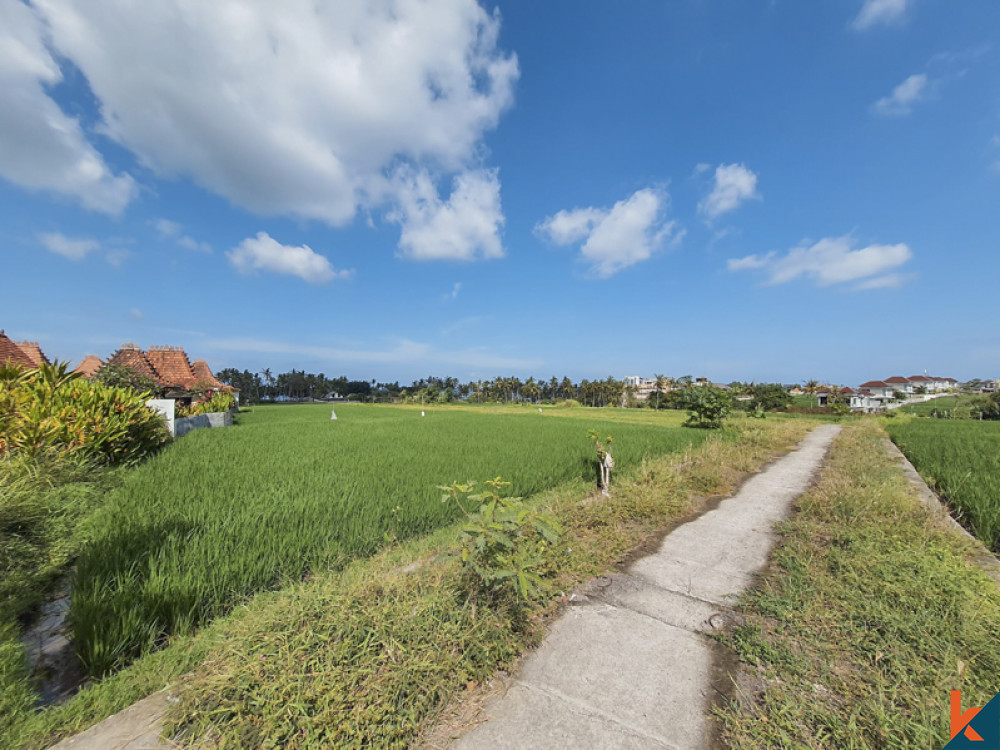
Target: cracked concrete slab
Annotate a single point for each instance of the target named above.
(630, 666)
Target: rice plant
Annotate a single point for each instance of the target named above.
(222, 514)
(961, 460)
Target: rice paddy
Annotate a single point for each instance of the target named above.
(961, 460)
(222, 514)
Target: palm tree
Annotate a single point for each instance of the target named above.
(661, 383)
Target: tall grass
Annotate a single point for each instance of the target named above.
(222, 514)
(961, 459)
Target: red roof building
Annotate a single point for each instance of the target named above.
(12, 354)
(34, 352)
(203, 375)
(172, 366)
(89, 366)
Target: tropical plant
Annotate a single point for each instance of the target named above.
(52, 409)
(707, 406)
(502, 542)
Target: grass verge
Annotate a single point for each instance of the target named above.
(871, 614)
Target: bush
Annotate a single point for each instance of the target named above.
(50, 409)
(210, 403)
(707, 406)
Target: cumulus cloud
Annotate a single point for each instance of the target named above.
(616, 238)
(74, 249)
(880, 13)
(900, 102)
(41, 147)
(262, 253)
(734, 184)
(464, 227)
(301, 108)
(831, 261)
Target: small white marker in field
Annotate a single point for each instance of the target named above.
(539, 410)
(422, 414)
(333, 414)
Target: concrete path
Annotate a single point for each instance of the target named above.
(138, 727)
(631, 666)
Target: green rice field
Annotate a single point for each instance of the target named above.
(961, 460)
(941, 404)
(221, 514)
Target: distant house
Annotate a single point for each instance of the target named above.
(170, 368)
(878, 389)
(12, 354)
(901, 384)
(89, 366)
(34, 352)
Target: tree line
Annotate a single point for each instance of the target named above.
(668, 392)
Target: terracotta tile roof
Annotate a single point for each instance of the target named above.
(172, 366)
(89, 366)
(34, 352)
(203, 374)
(131, 356)
(897, 379)
(11, 353)
(846, 391)
(920, 378)
(874, 384)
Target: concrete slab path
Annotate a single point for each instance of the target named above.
(631, 665)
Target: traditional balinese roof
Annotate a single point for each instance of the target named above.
(874, 384)
(897, 379)
(132, 357)
(34, 351)
(203, 375)
(172, 366)
(89, 366)
(12, 354)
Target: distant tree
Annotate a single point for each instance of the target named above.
(707, 406)
(768, 396)
(124, 377)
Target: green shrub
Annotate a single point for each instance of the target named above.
(51, 409)
(503, 542)
(707, 406)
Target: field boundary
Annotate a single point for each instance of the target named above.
(940, 510)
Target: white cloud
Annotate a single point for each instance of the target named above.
(42, 148)
(880, 13)
(734, 184)
(298, 108)
(903, 97)
(831, 261)
(464, 227)
(616, 238)
(136, 314)
(262, 253)
(453, 294)
(74, 249)
(171, 230)
(189, 243)
(167, 228)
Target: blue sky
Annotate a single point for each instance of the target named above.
(761, 191)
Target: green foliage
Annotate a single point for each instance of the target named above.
(707, 406)
(502, 542)
(51, 409)
(223, 514)
(211, 402)
(768, 396)
(119, 376)
(961, 460)
(840, 409)
(602, 448)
